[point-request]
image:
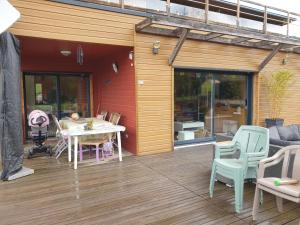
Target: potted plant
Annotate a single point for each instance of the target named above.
(277, 85)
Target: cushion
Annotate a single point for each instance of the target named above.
(292, 190)
(289, 133)
(273, 132)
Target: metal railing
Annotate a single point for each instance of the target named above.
(241, 14)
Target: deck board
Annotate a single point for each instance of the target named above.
(168, 188)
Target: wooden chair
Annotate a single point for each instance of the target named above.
(103, 114)
(114, 118)
(290, 192)
(253, 144)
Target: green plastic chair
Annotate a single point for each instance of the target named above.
(252, 142)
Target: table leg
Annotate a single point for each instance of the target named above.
(69, 148)
(119, 146)
(75, 151)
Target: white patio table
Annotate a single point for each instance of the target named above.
(101, 128)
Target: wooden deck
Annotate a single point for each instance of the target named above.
(169, 188)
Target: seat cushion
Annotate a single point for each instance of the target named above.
(292, 190)
(230, 163)
(289, 133)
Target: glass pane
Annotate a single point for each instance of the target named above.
(187, 11)
(74, 95)
(192, 105)
(294, 29)
(251, 16)
(41, 94)
(230, 103)
(277, 21)
(149, 5)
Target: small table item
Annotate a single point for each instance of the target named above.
(279, 182)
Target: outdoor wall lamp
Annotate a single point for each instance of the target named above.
(65, 52)
(115, 67)
(156, 47)
(285, 59)
(130, 56)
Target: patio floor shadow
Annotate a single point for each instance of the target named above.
(169, 188)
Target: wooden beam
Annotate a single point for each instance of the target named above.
(265, 20)
(211, 36)
(239, 40)
(269, 57)
(198, 25)
(206, 11)
(178, 46)
(238, 13)
(143, 24)
(168, 5)
(288, 25)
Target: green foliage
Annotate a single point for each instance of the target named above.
(277, 86)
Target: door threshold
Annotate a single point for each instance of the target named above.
(193, 145)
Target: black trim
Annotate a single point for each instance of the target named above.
(195, 141)
(250, 99)
(215, 70)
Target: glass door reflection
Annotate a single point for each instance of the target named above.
(193, 106)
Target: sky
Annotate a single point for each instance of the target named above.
(291, 5)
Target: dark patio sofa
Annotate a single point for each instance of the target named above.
(279, 138)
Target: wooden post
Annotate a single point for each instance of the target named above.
(168, 7)
(265, 20)
(122, 4)
(206, 11)
(178, 46)
(269, 57)
(288, 25)
(238, 14)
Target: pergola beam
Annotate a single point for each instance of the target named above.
(143, 24)
(178, 46)
(269, 57)
(239, 40)
(197, 25)
(212, 36)
(199, 37)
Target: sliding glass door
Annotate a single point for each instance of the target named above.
(56, 94)
(209, 104)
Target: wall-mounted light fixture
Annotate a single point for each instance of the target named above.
(80, 55)
(285, 59)
(65, 52)
(156, 47)
(130, 56)
(115, 67)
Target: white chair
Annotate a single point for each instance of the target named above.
(62, 143)
(290, 192)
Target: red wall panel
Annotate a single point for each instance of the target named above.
(115, 92)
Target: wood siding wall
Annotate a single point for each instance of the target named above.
(154, 99)
(46, 19)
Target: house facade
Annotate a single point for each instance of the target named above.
(171, 86)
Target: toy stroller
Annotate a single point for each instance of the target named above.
(39, 122)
